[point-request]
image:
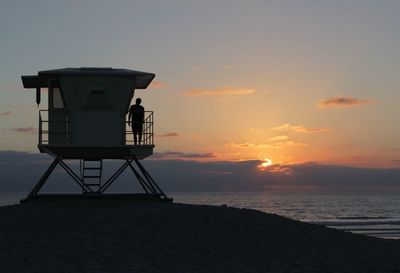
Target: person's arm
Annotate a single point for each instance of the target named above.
(142, 115)
(129, 117)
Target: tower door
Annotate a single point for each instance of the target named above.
(58, 117)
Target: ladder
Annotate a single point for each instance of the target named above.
(91, 171)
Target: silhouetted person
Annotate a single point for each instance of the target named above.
(136, 114)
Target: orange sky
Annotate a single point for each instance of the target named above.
(288, 81)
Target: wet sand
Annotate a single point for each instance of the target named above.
(133, 236)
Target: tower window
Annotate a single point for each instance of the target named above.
(97, 99)
(58, 101)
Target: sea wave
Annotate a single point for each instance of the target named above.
(362, 217)
(357, 222)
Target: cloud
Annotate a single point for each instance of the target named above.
(279, 169)
(238, 145)
(344, 102)
(172, 134)
(181, 155)
(227, 66)
(279, 138)
(6, 113)
(200, 176)
(299, 129)
(233, 145)
(276, 143)
(287, 143)
(281, 141)
(29, 130)
(390, 149)
(223, 91)
(158, 85)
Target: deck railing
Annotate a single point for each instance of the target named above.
(147, 131)
(60, 128)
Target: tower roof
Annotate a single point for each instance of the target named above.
(143, 79)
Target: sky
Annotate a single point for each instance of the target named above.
(289, 83)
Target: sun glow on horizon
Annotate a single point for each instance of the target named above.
(265, 164)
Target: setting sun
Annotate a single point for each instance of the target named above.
(265, 164)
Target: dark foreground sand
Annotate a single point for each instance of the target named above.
(123, 236)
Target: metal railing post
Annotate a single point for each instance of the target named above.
(65, 130)
(40, 128)
(147, 133)
(152, 128)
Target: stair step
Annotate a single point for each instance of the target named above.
(91, 175)
(94, 160)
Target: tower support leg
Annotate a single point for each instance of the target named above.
(148, 184)
(150, 187)
(146, 187)
(155, 188)
(111, 180)
(44, 177)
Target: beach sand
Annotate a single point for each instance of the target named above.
(144, 236)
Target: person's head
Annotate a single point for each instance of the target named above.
(138, 100)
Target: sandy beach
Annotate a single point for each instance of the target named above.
(129, 236)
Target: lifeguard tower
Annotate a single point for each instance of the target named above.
(86, 121)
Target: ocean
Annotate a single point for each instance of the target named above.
(370, 214)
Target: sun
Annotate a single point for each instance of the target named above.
(265, 164)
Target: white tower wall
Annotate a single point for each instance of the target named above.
(96, 108)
